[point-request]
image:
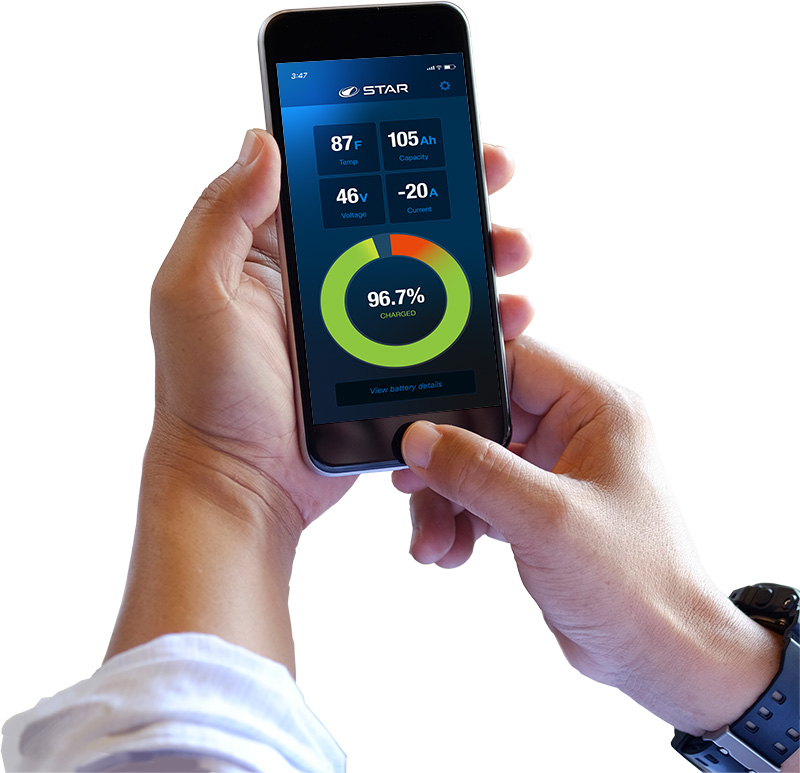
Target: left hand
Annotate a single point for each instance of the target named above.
(224, 388)
(598, 539)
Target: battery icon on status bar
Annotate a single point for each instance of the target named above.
(449, 67)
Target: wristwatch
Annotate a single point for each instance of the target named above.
(768, 733)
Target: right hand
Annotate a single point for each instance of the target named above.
(225, 405)
(598, 539)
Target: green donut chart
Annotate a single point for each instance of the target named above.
(337, 320)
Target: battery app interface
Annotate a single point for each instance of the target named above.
(390, 254)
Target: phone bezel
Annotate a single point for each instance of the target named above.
(356, 32)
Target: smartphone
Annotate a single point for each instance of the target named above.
(384, 225)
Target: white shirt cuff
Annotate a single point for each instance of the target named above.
(182, 702)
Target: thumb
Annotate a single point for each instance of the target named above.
(216, 237)
(509, 493)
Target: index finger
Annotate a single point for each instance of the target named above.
(539, 376)
(546, 387)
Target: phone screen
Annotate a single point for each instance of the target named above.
(385, 228)
(388, 236)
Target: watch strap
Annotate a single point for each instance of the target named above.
(705, 754)
(771, 726)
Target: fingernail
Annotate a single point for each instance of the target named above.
(418, 443)
(251, 147)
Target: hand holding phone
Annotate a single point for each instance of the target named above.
(384, 227)
(224, 391)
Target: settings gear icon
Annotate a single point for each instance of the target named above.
(444, 85)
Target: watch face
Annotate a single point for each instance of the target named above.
(773, 606)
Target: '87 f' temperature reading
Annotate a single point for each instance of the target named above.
(343, 142)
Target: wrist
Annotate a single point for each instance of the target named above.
(734, 671)
(178, 463)
(713, 664)
(213, 553)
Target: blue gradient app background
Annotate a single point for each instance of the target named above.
(314, 100)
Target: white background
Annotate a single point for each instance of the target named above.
(658, 172)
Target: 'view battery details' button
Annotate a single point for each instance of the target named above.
(459, 382)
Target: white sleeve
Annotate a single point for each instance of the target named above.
(183, 702)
